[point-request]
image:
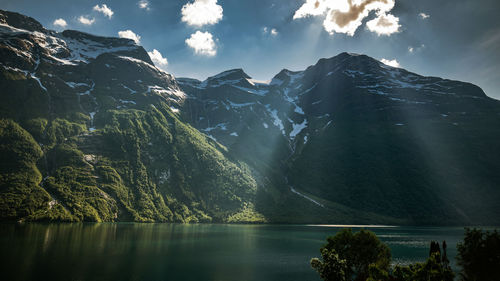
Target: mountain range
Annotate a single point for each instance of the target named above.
(92, 130)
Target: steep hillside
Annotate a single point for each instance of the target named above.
(90, 132)
(351, 133)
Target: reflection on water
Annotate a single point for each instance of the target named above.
(128, 251)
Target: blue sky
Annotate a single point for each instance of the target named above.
(456, 39)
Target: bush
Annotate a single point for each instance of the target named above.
(362, 256)
(358, 250)
(332, 267)
(479, 255)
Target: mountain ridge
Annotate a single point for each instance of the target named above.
(97, 132)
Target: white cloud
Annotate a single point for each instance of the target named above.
(412, 49)
(202, 43)
(345, 16)
(157, 58)
(393, 63)
(60, 22)
(129, 34)
(144, 4)
(424, 16)
(104, 9)
(86, 20)
(201, 12)
(271, 31)
(384, 24)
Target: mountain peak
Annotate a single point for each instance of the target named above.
(284, 76)
(226, 77)
(20, 21)
(232, 74)
(110, 41)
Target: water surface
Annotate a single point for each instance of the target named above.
(202, 252)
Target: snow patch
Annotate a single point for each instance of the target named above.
(276, 120)
(306, 197)
(252, 91)
(221, 126)
(239, 105)
(127, 101)
(297, 128)
(131, 91)
(75, 85)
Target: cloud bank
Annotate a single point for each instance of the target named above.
(60, 22)
(104, 9)
(202, 43)
(86, 21)
(201, 12)
(157, 58)
(346, 16)
(393, 63)
(384, 24)
(129, 34)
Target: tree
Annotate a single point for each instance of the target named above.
(359, 250)
(479, 255)
(430, 270)
(362, 256)
(332, 268)
(435, 268)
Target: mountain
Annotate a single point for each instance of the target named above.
(353, 137)
(91, 130)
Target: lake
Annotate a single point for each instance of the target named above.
(201, 252)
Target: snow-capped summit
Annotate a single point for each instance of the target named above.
(73, 69)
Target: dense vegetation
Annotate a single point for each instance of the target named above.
(143, 165)
(349, 255)
(78, 144)
(479, 255)
(362, 256)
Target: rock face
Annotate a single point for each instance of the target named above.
(91, 130)
(352, 137)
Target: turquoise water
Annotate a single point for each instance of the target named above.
(128, 251)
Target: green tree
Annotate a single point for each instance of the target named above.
(479, 255)
(332, 268)
(359, 250)
(362, 256)
(430, 270)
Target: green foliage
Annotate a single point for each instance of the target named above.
(361, 256)
(247, 215)
(20, 193)
(141, 165)
(479, 255)
(331, 267)
(359, 250)
(433, 269)
(58, 130)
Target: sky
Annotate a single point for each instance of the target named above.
(454, 39)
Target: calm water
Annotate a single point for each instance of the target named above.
(127, 251)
